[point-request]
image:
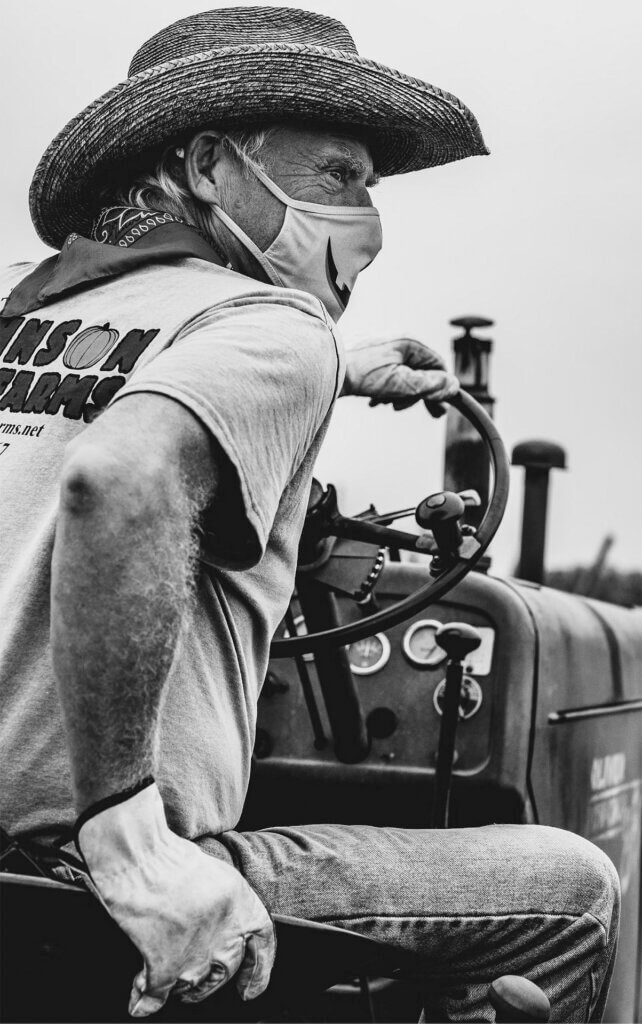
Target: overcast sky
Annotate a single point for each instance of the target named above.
(543, 236)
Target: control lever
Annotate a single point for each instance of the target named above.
(306, 685)
(340, 694)
(470, 498)
(457, 639)
(323, 520)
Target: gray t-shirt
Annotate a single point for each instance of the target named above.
(260, 367)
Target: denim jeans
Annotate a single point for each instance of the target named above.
(476, 903)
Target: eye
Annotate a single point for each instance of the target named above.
(339, 174)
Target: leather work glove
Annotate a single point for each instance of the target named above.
(398, 370)
(194, 918)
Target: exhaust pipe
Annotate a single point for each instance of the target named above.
(538, 459)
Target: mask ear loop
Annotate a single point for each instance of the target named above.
(249, 244)
(299, 204)
(314, 208)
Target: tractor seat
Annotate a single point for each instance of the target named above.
(65, 959)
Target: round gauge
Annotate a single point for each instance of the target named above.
(469, 702)
(369, 655)
(419, 644)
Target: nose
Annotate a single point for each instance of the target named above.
(358, 196)
(367, 198)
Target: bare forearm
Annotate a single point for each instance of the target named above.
(121, 575)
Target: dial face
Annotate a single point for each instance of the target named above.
(470, 700)
(369, 655)
(420, 646)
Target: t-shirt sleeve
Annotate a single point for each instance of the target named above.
(261, 377)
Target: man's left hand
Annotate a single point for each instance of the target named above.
(400, 371)
(194, 918)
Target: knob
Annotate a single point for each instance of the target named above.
(518, 999)
(441, 513)
(439, 508)
(457, 639)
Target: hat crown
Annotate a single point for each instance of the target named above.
(240, 26)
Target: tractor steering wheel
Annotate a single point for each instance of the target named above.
(467, 557)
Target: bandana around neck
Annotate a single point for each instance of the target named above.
(123, 238)
(125, 225)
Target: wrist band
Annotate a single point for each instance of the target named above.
(109, 801)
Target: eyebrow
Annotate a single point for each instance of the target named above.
(355, 164)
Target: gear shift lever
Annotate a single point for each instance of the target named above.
(457, 639)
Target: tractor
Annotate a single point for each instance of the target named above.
(385, 713)
(411, 687)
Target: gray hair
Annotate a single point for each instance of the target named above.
(164, 186)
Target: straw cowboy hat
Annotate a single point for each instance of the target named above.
(242, 66)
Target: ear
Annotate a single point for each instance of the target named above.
(205, 157)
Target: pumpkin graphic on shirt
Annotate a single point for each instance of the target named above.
(89, 347)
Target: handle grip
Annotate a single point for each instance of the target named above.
(518, 999)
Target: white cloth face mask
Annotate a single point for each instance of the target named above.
(319, 249)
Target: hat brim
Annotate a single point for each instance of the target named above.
(409, 124)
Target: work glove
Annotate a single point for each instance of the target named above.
(194, 918)
(398, 370)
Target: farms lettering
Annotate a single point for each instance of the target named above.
(38, 343)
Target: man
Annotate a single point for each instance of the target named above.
(166, 382)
